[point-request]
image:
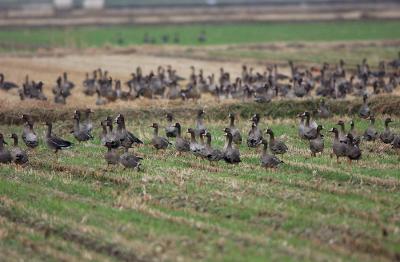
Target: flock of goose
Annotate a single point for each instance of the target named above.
(327, 81)
(346, 143)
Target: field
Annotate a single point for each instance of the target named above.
(71, 207)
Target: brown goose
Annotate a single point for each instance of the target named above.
(254, 138)
(387, 136)
(127, 138)
(157, 141)
(111, 138)
(80, 134)
(129, 160)
(342, 131)
(231, 154)
(18, 156)
(267, 160)
(5, 155)
(338, 147)
(111, 157)
(317, 144)
(310, 128)
(353, 151)
(195, 147)
(213, 154)
(28, 134)
(371, 134)
(200, 122)
(170, 129)
(53, 142)
(5, 85)
(181, 144)
(276, 146)
(237, 137)
(364, 111)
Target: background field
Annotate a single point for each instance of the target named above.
(217, 34)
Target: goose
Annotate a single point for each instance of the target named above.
(28, 134)
(302, 126)
(203, 151)
(276, 146)
(157, 141)
(181, 144)
(323, 110)
(231, 154)
(200, 122)
(87, 124)
(80, 134)
(310, 128)
(111, 156)
(396, 142)
(5, 85)
(213, 154)
(170, 129)
(127, 138)
(342, 131)
(111, 138)
(254, 137)
(267, 160)
(129, 160)
(364, 111)
(53, 142)
(18, 156)
(353, 151)
(5, 155)
(103, 135)
(353, 131)
(387, 136)
(370, 134)
(339, 148)
(317, 144)
(237, 137)
(195, 147)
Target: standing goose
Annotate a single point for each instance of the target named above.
(53, 142)
(129, 160)
(364, 111)
(5, 85)
(5, 155)
(195, 147)
(276, 146)
(342, 131)
(127, 138)
(200, 122)
(370, 134)
(213, 154)
(237, 137)
(254, 137)
(301, 127)
(323, 110)
(87, 124)
(157, 141)
(18, 156)
(317, 144)
(310, 128)
(204, 151)
(353, 151)
(80, 134)
(111, 156)
(387, 136)
(28, 134)
(339, 148)
(231, 154)
(170, 129)
(181, 144)
(267, 160)
(111, 138)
